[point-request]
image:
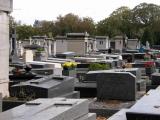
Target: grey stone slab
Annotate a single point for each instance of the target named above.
(43, 71)
(48, 109)
(147, 108)
(6, 5)
(87, 90)
(155, 79)
(74, 94)
(92, 75)
(116, 85)
(46, 87)
(89, 116)
(121, 115)
(141, 85)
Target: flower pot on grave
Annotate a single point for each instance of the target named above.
(40, 56)
(69, 72)
(150, 67)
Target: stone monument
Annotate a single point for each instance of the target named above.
(5, 9)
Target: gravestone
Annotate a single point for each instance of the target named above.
(126, 56)
(28, 56)
(46, 87)
(81, 71)
(155, 79)
(116, 86)
(92, 75)
(50, 109)
(139, 56)
(147, 108)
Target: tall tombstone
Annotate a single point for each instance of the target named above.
(5, 8)
(116, 86)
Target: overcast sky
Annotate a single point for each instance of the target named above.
(28, 10)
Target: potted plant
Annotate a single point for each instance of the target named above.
(40, 54)
(150, 67)
(98, 66)
(69, 69)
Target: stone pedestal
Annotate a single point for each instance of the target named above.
(4, 53)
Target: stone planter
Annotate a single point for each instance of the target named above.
(40, 56)
(71, 73)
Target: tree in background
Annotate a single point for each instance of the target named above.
(73, 23)
(142, 22)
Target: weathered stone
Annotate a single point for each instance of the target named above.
(116, 85)
(48, 109)
(4, 49)
(6, 5)
(47, 87)
(92, 75)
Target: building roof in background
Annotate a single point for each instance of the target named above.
(101, 37)
(77, 34)
(32, 47)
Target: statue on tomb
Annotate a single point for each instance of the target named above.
(147, 45)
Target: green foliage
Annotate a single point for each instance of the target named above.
(24, 31)
(98, 66)
(142, 22)
(40, 49)
(73, 23)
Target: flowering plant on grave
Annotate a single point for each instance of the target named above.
(149, 64)
(69, 65)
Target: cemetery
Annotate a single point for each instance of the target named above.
(114, 84)
(77, 76)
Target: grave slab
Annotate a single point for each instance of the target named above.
(48, 109)
(116, 86)
(147, 108)
(46, 87)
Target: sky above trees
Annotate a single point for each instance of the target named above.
(27, 11)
